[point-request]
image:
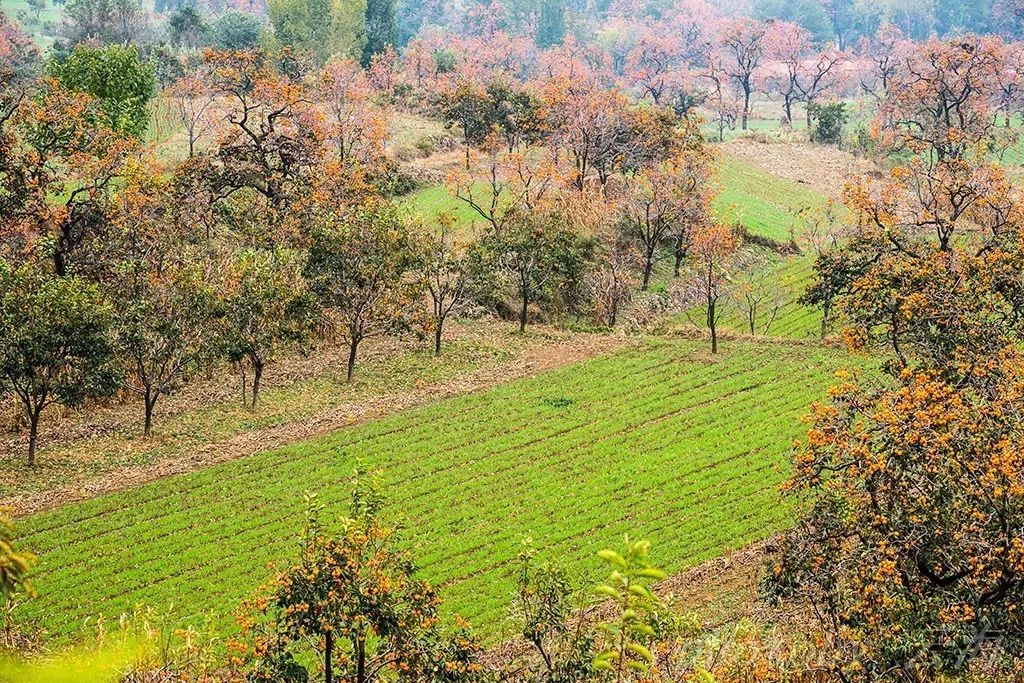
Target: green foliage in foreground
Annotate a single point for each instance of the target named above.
(765, 204)
(661, 441)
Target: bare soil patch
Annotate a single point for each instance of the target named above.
(822, 168)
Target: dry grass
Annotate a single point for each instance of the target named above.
(821, 168)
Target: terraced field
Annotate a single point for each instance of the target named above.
(794, 320)
(767, 205)
(661, 441)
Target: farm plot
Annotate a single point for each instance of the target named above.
(765, 204)
(661, 441)
(788, 278)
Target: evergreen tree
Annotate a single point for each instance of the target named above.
(551, 23)
(381, 27)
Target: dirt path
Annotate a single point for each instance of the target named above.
(538, 356)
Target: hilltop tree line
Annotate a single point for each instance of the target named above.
(680, 54)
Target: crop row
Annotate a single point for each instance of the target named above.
(660, 441)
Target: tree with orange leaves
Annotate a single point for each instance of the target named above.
(57, 173)
(274, 133)
(909, 551)
(356, 601)
(604, 132)
(356, 125)
(160, 280)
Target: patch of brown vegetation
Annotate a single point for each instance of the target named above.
(823, 168)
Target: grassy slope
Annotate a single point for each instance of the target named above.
(428, 203)
(41, 31)
(794, 321)
(290, 396)
(767, 205)
(663, 442)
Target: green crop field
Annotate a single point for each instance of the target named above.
(428, 203)
(662, 441)
(767, 205)
(794, 320)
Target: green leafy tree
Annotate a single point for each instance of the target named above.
(264, 305)
(162, 330)
(444, 272)
(381, 28)
(470, 107)
(810, 14)
(356, 601)
(114, 22)
(321, 27)
(187, 27)
(550, 615)
(628, 637)
(535, 260)
(234, 30)
(117, 77)
(54, 343)
(361, 265)
(551, 23)
(829, 120)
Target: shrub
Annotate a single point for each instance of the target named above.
(829, 120)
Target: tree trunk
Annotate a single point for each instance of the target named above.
(614, 313)
(711, 326)
(257, 373)
(361, 661)
(437, 337)
(33, 434)
(746, 105)
(150, 402)
(522, 313)
(245, 384)
(353, 349)
(328, 647)
(648, 268)
(680, 255)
